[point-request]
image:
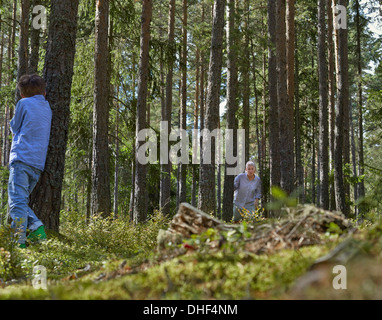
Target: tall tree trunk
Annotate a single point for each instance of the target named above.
(35, 45)
(313, 165)
(231, 107)
(8, 109)
(290, 53)
(196, 125)
(58, 73)
(116, 163)
(285, 112)
(331, 93)
(101, 201)
(299, 166)
(207, 195)
(165, 180)
(323, 108)
(183, 113)
(202, 104)
(13, 41)
(361, 168)
(245, 69)
(274, 127)
(140, 204)
(2, 40)
(22, 65)
(353, 153)
(342, 105)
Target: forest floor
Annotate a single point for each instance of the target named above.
(111, 259)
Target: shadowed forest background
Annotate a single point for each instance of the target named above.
(307, 93)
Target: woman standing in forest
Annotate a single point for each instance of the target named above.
(247, 191)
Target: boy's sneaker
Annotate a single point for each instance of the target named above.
(37, 235)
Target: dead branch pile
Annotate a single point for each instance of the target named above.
(303, 226)
(188, 221)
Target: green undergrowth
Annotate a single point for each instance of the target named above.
(113, 259)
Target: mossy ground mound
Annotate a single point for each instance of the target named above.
(112, 259)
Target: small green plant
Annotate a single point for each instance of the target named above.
(252, 216)
(11, 256)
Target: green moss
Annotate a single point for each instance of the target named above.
(112, 259)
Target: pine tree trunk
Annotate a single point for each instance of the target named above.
(231, 107)
(101, 201)
(202, 105)
(207, 194)
(274, 127)
(245, 69)
(34, 44)
(361, 168)
(58, 72)
(140, 198)
(353, 153)
(299, 166)
(22, 65)
(323, 108)
(196, 126)
(165, 180)
(183, 113)
(290, 53)
(342, 105)
(285, 112)
(331, 93)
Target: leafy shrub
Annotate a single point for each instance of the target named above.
(10, 254)
(114, 235)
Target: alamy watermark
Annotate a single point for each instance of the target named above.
(340, 18)
(340, 280)
(180, 152)
(39, 280)
(39, 20)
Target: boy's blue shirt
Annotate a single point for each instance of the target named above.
(31, 129)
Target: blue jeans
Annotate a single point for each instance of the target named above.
(22, 180)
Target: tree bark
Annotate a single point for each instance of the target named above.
(286, 116)
(290, 53)
(22, 65)
(196, 125)
(323, 108)
(361, 168)
(35, 45)
(342, 105)
(101, 199)
(274, 126)
(245, 69)
(165, 180)
(331, 93)
(299, 166)
(231, 106)
(183, 112)
(58, 72)
(207, 195)
(140, 198)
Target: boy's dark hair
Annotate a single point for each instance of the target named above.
(31, 85)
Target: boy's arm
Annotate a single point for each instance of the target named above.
(17, 120)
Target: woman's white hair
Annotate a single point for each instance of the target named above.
(250, 164)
